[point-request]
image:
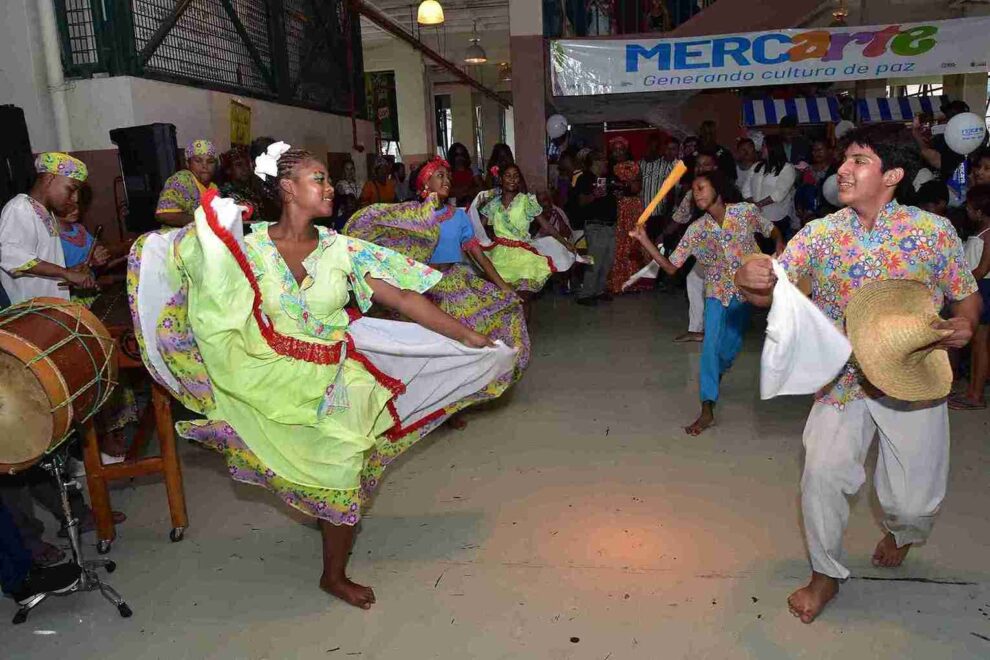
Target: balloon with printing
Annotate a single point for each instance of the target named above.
(556, 126)
(965, 133)
(830, 190)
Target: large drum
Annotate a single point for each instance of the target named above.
(57, 367)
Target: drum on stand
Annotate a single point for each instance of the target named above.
(57, 368)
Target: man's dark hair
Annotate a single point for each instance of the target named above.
(983, 153)
(742, 141)
(723, 185)
(895, 148)
(953, 108)
(932, 192)
(978, 197)
(259, 146)
(788, 121)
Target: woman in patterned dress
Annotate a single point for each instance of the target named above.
(256, 336)
(629, 258)
(511, 212)
(439, 234)
(184, 190)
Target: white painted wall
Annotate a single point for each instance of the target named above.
(22, 71)
(413, 93)
(101, 104)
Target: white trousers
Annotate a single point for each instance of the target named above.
(696, 298)
(912, 469)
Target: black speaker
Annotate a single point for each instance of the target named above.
(148, 157)
(16, 157)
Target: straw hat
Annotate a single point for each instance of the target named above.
(889, 324)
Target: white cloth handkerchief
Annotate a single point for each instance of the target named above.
(803, 351)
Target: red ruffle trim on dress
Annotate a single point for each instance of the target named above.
(311, 351)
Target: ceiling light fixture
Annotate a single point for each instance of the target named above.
(475, 53)
(430, 13)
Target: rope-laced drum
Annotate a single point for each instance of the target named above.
(57, 368)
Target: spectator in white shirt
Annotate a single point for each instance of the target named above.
(746, 159)
(771, 187)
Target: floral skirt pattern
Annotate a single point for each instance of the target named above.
(338, 507)
(488, 310)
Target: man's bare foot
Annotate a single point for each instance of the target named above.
(808, 602)
(704, 421)
(689, 337)
(349, 592)
(887, 554)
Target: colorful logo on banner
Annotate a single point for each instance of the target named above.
(591, 67)
(780, 48)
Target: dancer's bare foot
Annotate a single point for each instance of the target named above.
(349, 592)
(887, 554)
(457, 422)
(689, 337)
(704, 421)
(808, 602)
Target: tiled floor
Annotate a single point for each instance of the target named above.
(573, 520)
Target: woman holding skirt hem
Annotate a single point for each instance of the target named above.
(299, 396)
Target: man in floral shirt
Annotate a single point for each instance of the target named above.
(718, 240)
(874, 238)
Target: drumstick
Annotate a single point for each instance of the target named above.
(668, 184)
(92, 248)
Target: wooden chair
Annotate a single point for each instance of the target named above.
(156, 417)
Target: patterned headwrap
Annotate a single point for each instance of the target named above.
(237, 152)
(618, 142)
(428, 170)
(201, 148)
(55, 162)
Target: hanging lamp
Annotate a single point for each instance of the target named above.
(430, 13)
(475, 53)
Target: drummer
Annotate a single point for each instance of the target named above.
(32, 263)
(181, 194)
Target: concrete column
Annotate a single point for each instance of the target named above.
(462, 116)
(969, 87)
(529, 89)
(491, 113)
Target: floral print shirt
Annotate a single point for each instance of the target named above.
(720, 249)
(839, 255)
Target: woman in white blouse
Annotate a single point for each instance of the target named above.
(771, 187)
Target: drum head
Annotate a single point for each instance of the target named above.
(25, 414)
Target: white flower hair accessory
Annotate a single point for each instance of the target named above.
(266, 164)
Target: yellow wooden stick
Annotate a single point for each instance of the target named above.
(668, 184)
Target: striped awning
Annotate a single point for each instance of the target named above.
(808, 110)
(896, 109)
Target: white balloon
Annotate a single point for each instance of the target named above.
(843, 127)
(830, 191)
(556, 126)
(965, 133)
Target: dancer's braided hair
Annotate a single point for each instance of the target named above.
(287, 163)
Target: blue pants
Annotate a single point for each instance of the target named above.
(15, 560)
(724, 330)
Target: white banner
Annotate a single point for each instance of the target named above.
(780, 57)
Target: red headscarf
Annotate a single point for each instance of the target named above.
(428, 170)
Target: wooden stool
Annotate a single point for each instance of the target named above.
(156, 416)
